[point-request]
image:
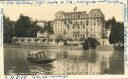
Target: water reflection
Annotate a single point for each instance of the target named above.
(116, 62)
(75, 62)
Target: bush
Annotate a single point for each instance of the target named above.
(90, 43)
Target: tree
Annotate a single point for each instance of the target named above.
(59, 38)
(111, 21)
(82, 39)
(48, 28)
(117, 31)
(25, 27)
(8, 30)
(90, 43)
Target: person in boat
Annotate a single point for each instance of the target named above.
(39, 57)
(36, 55)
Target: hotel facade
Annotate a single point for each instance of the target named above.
(79, 25)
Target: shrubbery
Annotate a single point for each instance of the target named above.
(90, 43)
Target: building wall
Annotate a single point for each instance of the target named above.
(77, 25)
(41, 23)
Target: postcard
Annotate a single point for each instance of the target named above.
(56, 39)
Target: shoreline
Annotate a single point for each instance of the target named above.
(66, 47)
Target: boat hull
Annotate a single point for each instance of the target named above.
(41, 61)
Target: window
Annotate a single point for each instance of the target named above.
(91, 15)
(98, 19)
(94, 23)
(70, 16)
(91, 22)
(90, 35)
(83, 16)
(78, 26)
(75, 23)
(73, 16)
(81, 35)
(94, 15)
(94, 35)
(97, 15)
(91, 29)
(87, 23)
(98, 24)
(78, 15)
(81, 22)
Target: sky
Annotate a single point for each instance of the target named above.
(47, 11)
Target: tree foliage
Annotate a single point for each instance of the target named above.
(90, 43)
(8, 28)
(25, 27)
(117, 31)
(48, 28)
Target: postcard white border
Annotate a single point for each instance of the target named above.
(86, 2)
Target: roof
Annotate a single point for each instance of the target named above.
(34, 52)
(41, 21)
(75, 12)
(97, 10)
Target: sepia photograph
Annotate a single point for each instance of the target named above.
(63, 39)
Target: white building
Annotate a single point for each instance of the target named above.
(78, 25)
(42, 35)
(41, 23)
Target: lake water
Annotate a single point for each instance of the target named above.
(68, 62)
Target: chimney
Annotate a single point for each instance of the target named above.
(75, 9)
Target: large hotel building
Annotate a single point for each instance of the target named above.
(79, 25)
